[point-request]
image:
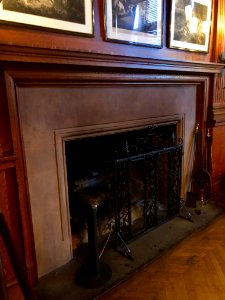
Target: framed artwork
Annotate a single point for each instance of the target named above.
(74, 16)
(134, 21)
(190, 24)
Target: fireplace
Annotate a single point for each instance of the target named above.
(89, 105)
(134, 176)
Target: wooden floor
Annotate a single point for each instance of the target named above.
(192, 270)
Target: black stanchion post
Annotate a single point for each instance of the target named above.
(94, 266)
(95, 273)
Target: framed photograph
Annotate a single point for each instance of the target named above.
(190, 24)
(74, 16)
(134, 21)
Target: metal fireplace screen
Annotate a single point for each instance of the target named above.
(135, 176)
(147, 190)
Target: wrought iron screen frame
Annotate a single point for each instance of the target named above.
(122, 190)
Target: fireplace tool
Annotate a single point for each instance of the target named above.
(201, 177)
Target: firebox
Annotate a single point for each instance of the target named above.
(135, 176)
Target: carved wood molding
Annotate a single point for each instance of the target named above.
(219, 89)
(219, 114)
(10, 55)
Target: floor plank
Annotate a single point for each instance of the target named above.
(192, 270)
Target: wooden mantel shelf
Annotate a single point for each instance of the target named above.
(61, 57)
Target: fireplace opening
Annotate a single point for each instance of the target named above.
(135, 176)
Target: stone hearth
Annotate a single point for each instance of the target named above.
(61, 284)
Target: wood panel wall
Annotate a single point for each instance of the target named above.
(33, 40)
(218, 167)
(13, 202)
(9, 198)
(22, 48)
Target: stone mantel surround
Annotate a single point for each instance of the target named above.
(33, 77)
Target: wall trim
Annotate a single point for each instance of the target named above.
(60, 57)
(219, 114)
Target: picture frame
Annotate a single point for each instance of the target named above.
(71, 16)
(190, 25)
(134, 22)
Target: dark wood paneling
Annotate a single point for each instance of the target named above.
(218, 158)
(9, 206)
(15, 293)
(12, 199)
(218, 146)
(219, 113)
(42, 39)
(219, 36)
(9, 201)
(76, 58)
(5, 133)
(219, 90)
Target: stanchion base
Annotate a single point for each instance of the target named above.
(85, 279)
